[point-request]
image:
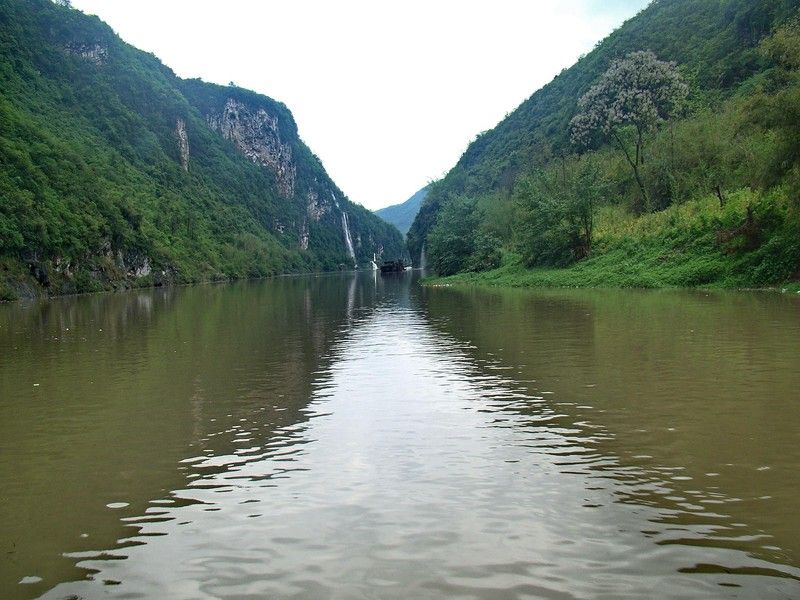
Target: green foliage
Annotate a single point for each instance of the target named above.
(450, 243)
(777, 107)
(694, 244)
(456, 244)
(556, 211)
(7, 294)
(783, 45)
(485, 253)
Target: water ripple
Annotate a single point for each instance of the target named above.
(410, 458)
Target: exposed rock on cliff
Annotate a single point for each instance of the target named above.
(304, 235)
(255, 132)
(315, 208)
(183, 143)
(92, 52)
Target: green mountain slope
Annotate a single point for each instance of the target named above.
(402, 215)
(115, 172)
(735, 88)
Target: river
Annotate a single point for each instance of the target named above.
(359, 436)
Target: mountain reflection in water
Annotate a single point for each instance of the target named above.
(356, 435)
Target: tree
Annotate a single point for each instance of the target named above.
(636, 93)
(456, 242)
(556, 211)
(778, 108)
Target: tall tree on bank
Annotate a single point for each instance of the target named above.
(635, 95)
(779, 108)
(555, 211)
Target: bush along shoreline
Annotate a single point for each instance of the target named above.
(634, 168)
(749, 243)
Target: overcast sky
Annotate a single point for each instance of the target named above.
(387, 93)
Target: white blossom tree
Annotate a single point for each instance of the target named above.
(637, 92)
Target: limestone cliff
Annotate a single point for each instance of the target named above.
(319, 218)
(92, 52)
(255, 132)
(183, 143)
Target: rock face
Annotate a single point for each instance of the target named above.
(255, 130)
(183, 143)
(303, 208)
(94, 53)
(304, 235)
(256, 134)
(142, 270)
(315, 209)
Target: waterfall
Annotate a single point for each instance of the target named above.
(422, 258)
(374, 262)
(348, 240)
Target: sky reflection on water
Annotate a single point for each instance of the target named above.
(360, 436)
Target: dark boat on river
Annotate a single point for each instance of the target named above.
(392, 266)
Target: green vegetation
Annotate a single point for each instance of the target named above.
(697, 243)
(635, 95)
(556, 211)
(94, 192)
(626, 170)
(457, 243)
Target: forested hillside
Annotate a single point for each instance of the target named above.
(115, 172)
(402, 215)
(699, 190)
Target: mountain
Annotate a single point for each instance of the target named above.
(735, 136)
(402, 215)
(116, 172)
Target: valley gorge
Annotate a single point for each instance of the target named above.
(124, 175)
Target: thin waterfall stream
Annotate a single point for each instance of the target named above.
(348, 239)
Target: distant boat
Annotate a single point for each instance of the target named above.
(392, 266)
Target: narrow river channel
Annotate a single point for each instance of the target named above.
(359, 436)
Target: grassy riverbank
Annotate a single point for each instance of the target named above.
(753, 241)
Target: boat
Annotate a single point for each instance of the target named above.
(392, 266)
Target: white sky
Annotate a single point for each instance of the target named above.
(387, 93)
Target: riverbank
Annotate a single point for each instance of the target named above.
(753, 241)
(18, 283)
(512, 274)
(20, 280)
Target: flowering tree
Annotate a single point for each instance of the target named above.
(637, 92)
